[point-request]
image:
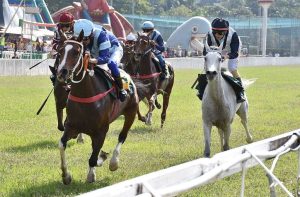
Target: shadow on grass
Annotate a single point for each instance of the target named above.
(57, 188)
(144, 129)
(31, 147)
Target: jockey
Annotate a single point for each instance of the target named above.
(97, 41)
(65, 24)
(130, 40)
(158, 43)
(222, 33)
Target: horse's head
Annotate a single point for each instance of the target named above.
(71, 53)
(213, 61)
(142, 46)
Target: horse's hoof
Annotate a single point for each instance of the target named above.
(61, 128)
(91, 178)
(249, 140)
(67, 179)
(206, 155)
(143, 119)
(158, 106)
(113, 165)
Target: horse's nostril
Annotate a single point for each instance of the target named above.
(211, 72)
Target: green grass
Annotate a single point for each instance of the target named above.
(30, 160)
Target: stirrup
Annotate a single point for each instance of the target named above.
(122, 95)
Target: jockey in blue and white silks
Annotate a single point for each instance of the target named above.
(115, 51)
(222, 33)
(158, 43)
(102, 49)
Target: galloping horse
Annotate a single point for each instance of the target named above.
(219, 104)
(139, 63)
(91, 107)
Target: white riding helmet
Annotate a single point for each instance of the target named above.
(83, 24)
(148, 25)
(131, 37)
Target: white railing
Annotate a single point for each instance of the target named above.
(20, 67)
(16, 67)
(193, 174)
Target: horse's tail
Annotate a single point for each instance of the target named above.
(248, 82)
(141, 88)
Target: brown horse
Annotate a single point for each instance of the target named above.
(140, 64)
(91, 107)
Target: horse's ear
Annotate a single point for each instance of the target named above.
(63, 36)
(138, 34)
(80, 37)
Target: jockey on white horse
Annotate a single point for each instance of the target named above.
(222, 33)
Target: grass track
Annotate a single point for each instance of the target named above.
(29, 155)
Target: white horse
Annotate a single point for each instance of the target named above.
(219, 104)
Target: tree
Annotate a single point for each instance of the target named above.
(180, 11)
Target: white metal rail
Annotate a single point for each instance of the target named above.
(181, 178)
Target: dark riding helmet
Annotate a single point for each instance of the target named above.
(220, 24)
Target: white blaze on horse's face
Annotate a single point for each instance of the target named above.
(212, 64)
(64, 58)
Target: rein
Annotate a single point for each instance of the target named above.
(83, 62)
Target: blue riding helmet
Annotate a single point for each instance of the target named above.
(83, 24)
(148, 25)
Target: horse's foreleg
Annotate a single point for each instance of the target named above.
(129, 119)
(140, 117)
(166, 98)
(66, 176)
(221, 134)
(207, 139)
(227, 132)
(150, 110)
(97, 143)
(59, 114)
(243, 113)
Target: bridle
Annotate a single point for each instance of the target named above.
(81, 64)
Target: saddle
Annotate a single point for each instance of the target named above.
(104, 72)
(201, 82)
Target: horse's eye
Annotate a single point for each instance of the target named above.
(220, 59)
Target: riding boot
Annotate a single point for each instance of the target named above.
(202, 82)
(122, 92)
(164, 72)
(240, 97)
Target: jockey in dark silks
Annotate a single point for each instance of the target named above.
(102, 49)
(222, 33)
(158, 43)
(65, 24)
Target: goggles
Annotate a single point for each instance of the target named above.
(220, 32)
